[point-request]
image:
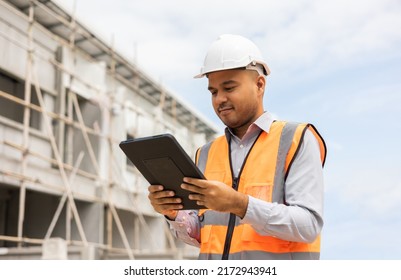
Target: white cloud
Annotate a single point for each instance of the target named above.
(374, 189)
(353, 238)
(373, 100)
(301, 40)
(308, 35)
(334, 146)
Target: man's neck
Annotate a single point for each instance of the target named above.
(240, 132)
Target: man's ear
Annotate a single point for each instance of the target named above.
(261, 83)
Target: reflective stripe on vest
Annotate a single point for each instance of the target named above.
(262, 176)
(259, 255)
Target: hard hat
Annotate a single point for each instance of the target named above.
(230, 52)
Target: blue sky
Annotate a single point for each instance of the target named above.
(336, 64)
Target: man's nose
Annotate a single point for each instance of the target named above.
(221, 97)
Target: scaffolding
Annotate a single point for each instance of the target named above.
(66, 101)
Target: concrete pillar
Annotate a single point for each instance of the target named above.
(54, 249)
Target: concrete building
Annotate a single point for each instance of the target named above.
(66, 101)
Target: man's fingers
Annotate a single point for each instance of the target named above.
(194, 188)
(197, 182)
(155, 188)
(157, 191)
(197, 197)
(166, 207)
(162, 194)
(162, 201)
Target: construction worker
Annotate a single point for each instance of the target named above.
(264, 187)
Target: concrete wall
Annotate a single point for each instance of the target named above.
(110, 108)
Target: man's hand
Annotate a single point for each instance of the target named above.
(164, 201)
(216, 196)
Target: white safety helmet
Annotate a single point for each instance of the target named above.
(231, 52)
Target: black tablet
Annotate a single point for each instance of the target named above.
(162, 161)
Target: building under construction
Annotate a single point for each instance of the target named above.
(67, 99)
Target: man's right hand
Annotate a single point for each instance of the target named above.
(164, 202)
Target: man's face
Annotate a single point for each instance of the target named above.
(237, 97)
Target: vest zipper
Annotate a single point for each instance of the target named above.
(233, 217)
(230, 227)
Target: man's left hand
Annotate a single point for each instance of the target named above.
(216, 195)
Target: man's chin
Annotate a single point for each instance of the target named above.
(230, 124)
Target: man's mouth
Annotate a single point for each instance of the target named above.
(224, 109)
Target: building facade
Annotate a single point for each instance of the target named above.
(67, 99)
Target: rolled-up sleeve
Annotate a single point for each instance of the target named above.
(186, 227)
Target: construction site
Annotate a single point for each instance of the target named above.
(67, 99)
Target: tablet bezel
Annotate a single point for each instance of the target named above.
(163, 152)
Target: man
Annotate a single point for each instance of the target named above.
(264, 187)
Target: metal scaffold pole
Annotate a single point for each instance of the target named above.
(74, 101)
(27, 111)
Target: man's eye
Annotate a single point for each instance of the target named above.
(229, 89)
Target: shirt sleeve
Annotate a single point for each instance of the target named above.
(186, 227)
(301, 218)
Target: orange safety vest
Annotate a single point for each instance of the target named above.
(262, 176)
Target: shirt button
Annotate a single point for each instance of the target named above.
(241, 146)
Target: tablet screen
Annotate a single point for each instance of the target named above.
(162, 161)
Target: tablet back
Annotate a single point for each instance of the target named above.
(162, 161)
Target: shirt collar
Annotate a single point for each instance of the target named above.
(264, 123)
